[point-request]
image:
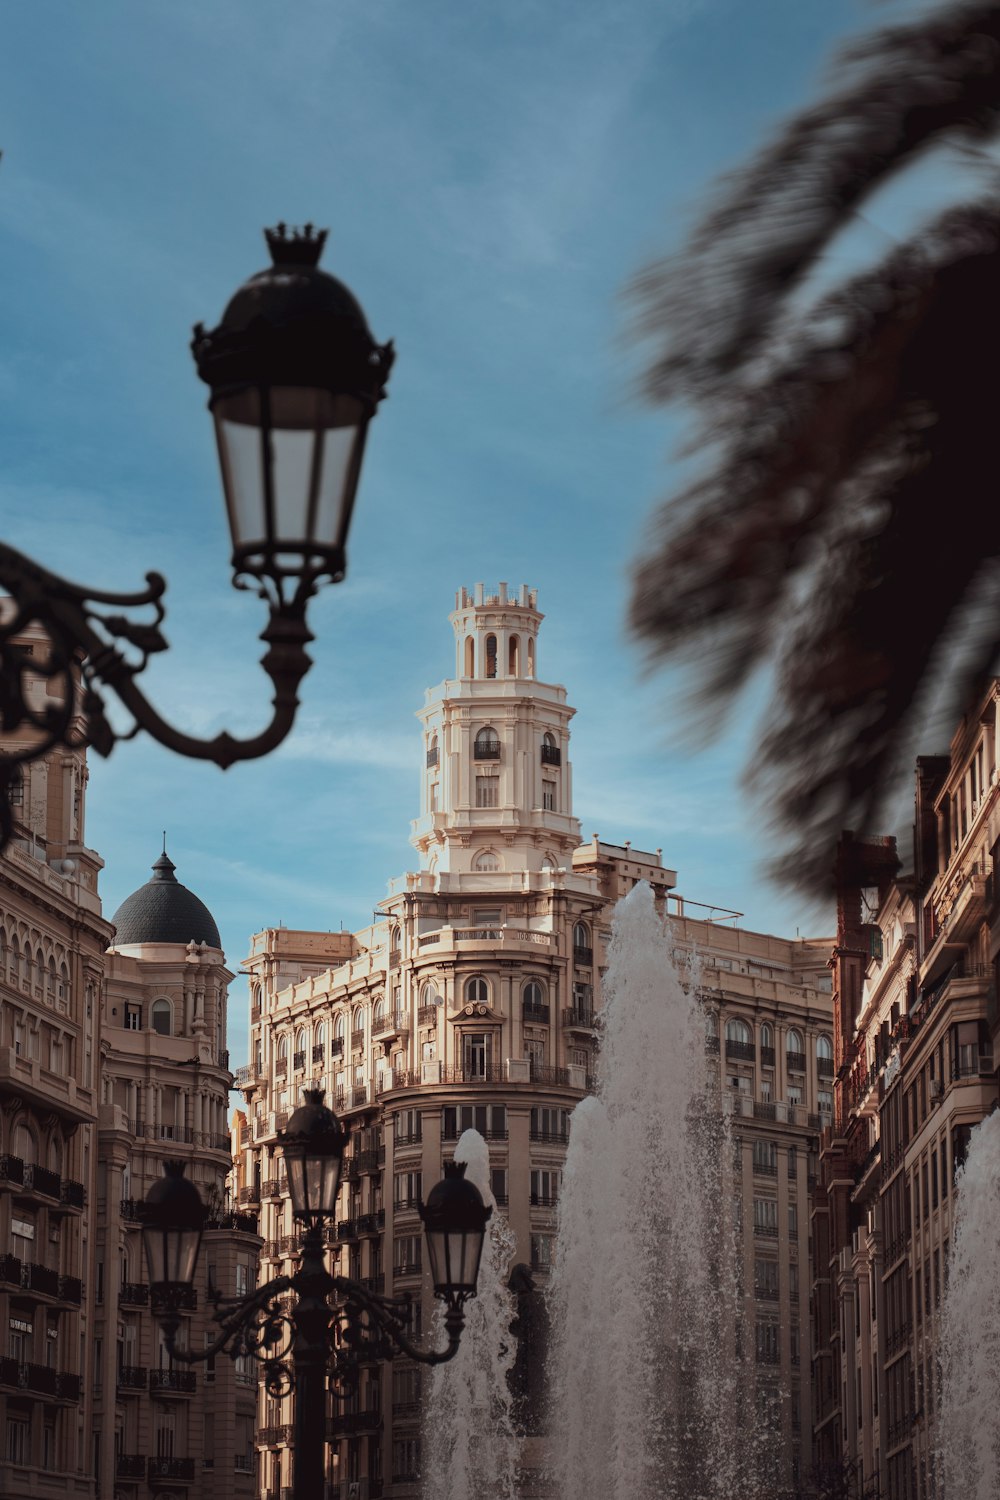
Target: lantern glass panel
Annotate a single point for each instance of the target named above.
(237, 432)
(454, 1260)
(315, 440)
(171, 1254)
(312, 1182)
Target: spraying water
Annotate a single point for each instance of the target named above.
(470, 1444)
(970, 1326)
(645, 1383)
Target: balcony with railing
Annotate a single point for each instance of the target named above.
(824, 1067)
(72, 1195)
(132, 1377)
(250, 1194)
(245, 1077)
(578, 1018)
(173, 1382)
(551, 755)
(486, 749)
(130, 1465)
(767, 1057)
(538, 1013)
(281, 1067)
(298, 1061)
(337, 1046)
(433, 756)
(71, 1290)
(11, 1170)
(274, 1437)
(392, 1024)
(317, 1052)
(177, 1470)
(582, 956)
(357, 1039)
(741, 1051)
(795, 1062)
(134, 1294)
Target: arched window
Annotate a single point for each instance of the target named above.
(282, 1048)
(487, 746)
(582, 951)
(514, 656)
(23, 1143)
(487, 862)
(358, 1024)
(395, 939)
(767, 1035)
(319, 1043)
(56, 1153)
(470, 656)
(380, 1012)
(477, 990)
(433, 751)
(531, 657)
(793, 1042)
(491, 656)
(429, 994)
(824, 1048)
(549, 862)
(738, 1031)
(161, 1017)
(533, 996)
(300, 1048)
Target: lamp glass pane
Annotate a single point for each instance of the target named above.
(237, 431)
(156, 1256)
(297, 1186)
(343, 446)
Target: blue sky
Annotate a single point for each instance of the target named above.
(492, 176)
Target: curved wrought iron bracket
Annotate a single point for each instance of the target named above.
(91, 646)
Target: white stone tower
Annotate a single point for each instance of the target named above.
(497, 784)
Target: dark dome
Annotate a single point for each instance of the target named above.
(164, 911)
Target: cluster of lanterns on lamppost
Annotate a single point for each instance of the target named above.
(335, 1323)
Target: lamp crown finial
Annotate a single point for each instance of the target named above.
(295, 247)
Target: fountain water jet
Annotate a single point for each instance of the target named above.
(648, 1398)
(470, 1445)
(970, 1326)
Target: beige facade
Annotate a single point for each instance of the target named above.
(916, 1005)
(111, 1060)
(470, 1000)
(51, 973)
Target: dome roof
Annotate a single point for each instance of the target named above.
(164, 911)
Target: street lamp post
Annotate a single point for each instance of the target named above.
(335, 1323)
(295, 377)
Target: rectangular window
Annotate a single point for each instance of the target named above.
(487, 791)
(476, 1054)
(549, 1124)
(133, 1018)
(407, 1189)
(765, 1158)
(767, 1344)
(765, 1280)
(825, 1097)
(541, 1252)
(545, 1188)
(795, 1093)
(498, 1184)
(548, 796)
(407, 1254)
(765, 1217)
(17, 1440)
(793, 1221)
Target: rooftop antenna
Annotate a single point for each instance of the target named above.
(164, 841)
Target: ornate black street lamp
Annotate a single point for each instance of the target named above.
(335, 1324)
(295, 378)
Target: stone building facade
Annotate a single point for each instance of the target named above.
(470, 1001)
(112, 1059)
(52, 963)
(917, 1011)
